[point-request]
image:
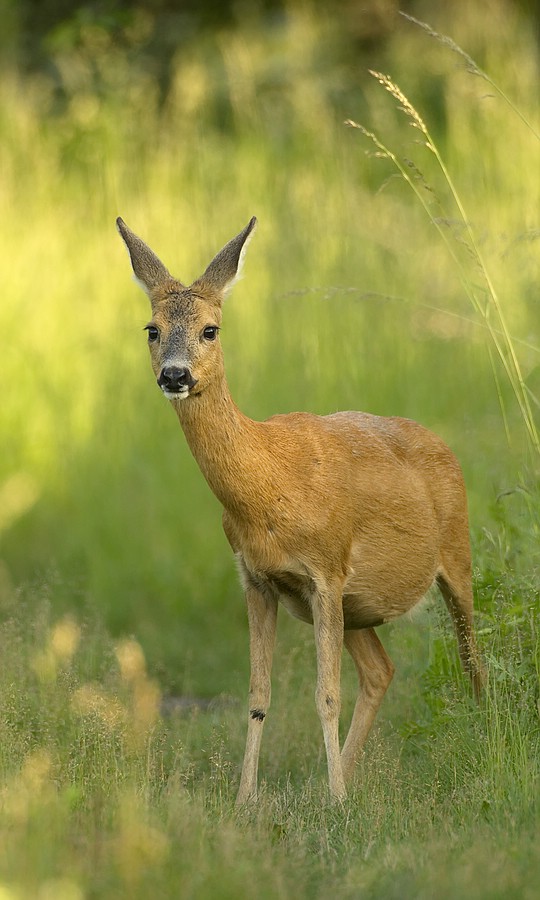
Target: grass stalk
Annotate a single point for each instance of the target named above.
(501, 338)
(472, 67)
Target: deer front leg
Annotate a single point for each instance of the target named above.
(328, 623)
(262, 615)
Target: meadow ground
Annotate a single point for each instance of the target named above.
(117, 588)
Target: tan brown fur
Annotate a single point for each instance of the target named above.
(346, 519)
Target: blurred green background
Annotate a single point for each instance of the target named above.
(186, 119)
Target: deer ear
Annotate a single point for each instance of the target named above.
(148, 269)
(225, 268)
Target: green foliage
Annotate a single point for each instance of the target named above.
(352, 299)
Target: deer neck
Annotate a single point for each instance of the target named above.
(226, 444)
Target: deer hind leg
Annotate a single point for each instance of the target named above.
(375, 670)
(455, 584)
(262, 616)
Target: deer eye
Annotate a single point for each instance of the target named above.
(153, 333)
(210, 332)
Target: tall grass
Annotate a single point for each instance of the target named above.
(461, 233)
(116, 584)
(104, 797)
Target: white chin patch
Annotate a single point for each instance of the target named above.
(176, 395)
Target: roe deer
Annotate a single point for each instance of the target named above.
(347, 519)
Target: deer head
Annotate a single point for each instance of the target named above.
(183, 333)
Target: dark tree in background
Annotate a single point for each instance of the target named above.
(33, 29)
(84, 48)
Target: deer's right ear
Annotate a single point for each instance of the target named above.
(149, 271)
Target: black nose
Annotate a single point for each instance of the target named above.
(175, 379)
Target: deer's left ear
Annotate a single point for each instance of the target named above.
(148, 269)
(225, 268)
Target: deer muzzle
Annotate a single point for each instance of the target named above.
(176, 381)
